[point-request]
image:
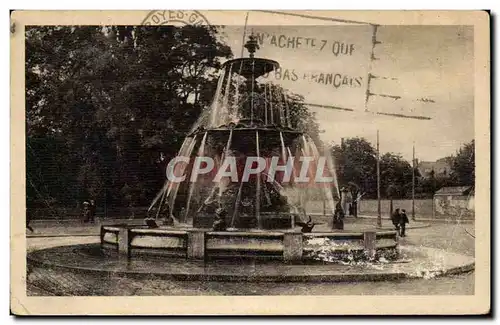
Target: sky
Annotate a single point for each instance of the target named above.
(431, 62)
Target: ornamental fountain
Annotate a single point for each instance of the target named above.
(247, 118)
(205, 216)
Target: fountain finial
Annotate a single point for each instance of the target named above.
(252, 45)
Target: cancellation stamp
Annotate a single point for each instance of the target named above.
(174, 17)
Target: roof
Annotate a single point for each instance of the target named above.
(455, 190)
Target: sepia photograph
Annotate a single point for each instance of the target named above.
(290, 156)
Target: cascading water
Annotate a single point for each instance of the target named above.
(165, 193)
(257, 188)
(201, 152)
(247, 118)
(327, 192)
(222, 184)
(283, 152)
(332, 168)
(216, 104)
(174, 186)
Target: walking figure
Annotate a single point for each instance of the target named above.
(396, 216)
(338, 217)
(402, 223)
(28, 220)
(86, 212)
(92, 209)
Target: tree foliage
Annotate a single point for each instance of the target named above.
(356, 162)
(102, 103)
(463, 166)
(395, 176)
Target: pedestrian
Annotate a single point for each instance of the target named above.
(344, 200)
(403, 220)
(86, 212)
(92, 210)
(28, 220)
(355, 208)
(338, 217)
(395, 218)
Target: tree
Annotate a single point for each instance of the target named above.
(110, 99)
(59, 98)
(356, 162)
(395, 176)
(463, 167)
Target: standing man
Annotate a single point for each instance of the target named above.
(338, 217)
(403, 220)
(92, 209)
(344, 199)
(86, 212)
(396, 217)
(355, 196)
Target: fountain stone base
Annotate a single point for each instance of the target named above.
(285, 245)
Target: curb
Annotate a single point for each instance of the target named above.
(426, 225)
(463, 221)
(63, 235)
(335, 277)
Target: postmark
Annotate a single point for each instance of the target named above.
(175, 17)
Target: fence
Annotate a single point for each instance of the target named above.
(64, 213)
(423, 209)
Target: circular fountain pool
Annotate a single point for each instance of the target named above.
(414, 262)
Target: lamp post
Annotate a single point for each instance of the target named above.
(379, 215)
(413, 185)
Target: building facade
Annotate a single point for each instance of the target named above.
(440, 168)
(456, 202)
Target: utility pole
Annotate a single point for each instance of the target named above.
(379, 214)
(413, 185)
